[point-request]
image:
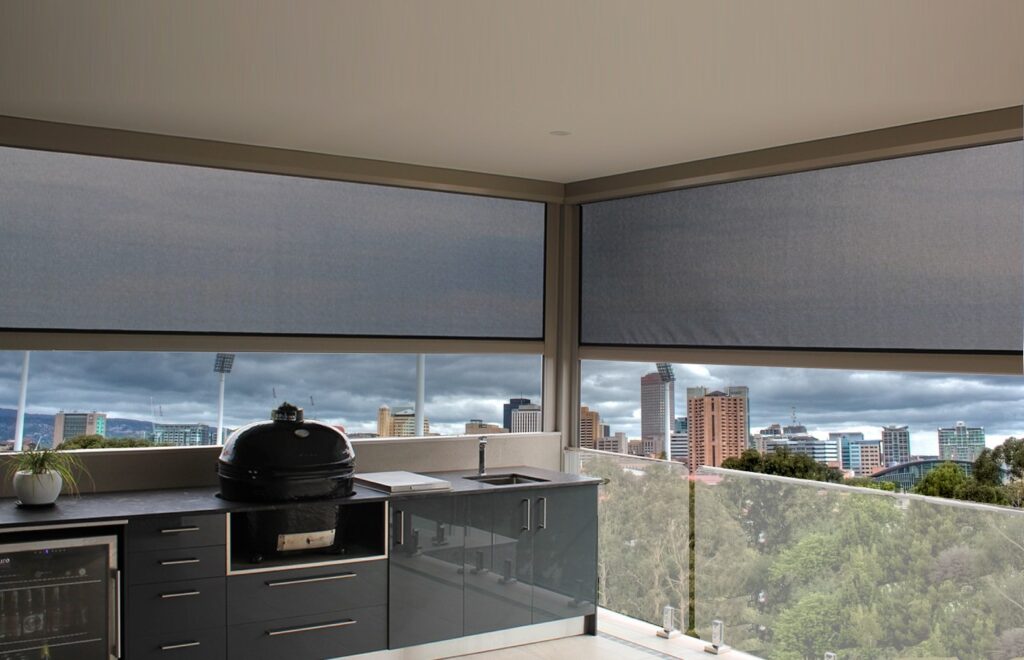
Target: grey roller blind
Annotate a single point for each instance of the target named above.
(915, 253)
(91, 243)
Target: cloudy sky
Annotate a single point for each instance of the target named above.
(347, 389)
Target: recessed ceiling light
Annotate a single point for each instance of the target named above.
(560, 133)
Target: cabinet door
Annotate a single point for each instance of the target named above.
(425, 587)
(499, 561)
(564, 552)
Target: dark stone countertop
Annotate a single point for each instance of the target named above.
(101, 507)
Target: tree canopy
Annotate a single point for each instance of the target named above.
(100, 442)
(783, 463)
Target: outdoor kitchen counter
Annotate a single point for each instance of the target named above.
(120, 506)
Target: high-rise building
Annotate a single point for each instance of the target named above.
(590, 427)
(717, 426)
(826, 452)
(184, 435)
(845, 440)
(71, 425)
(617, 443)
(478, 426)
(606, 431)
(384, 421)
(862, 457)
(681, 446)
(526, 418)
(680, 426)
(513, 404)
(895, 445)
(403, 424)
(652, 410)
(961, 442)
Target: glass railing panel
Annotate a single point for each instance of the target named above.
(797, 569)
(643, 533)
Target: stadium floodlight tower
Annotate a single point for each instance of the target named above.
(222, 365)
(667, 378)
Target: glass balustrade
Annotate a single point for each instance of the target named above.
(644, 533)
(798, 569)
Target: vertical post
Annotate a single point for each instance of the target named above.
(421, 386)
(19, 422)
(668, 420)
(220, 410)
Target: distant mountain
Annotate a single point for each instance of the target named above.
(39, 428)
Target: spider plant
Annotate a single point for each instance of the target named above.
(43, 460)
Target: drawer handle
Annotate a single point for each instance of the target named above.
(322, 578)
(179, 530)
(180, 594)
(302, 629)
(177, 562)
(183, 645)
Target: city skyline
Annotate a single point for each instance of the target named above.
(349, 388)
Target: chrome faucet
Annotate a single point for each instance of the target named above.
(483, 452)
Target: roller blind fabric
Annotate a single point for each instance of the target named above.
(915, 253)
(93, 243)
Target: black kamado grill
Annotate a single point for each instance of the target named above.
(287, 459)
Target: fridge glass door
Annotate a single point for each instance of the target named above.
(57, 599)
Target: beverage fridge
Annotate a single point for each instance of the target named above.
(60, 599)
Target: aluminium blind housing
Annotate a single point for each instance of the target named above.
(915, 253)
(89, 243)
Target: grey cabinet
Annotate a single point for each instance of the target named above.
(531, 557)
(564, 553)
(175, 598)
(426, 570)
(499, 557)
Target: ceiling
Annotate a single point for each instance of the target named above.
(480, 85)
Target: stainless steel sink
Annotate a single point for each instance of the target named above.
(508, 479)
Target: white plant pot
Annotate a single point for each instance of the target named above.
(36, 489)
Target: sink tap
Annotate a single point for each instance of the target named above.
(483, 452)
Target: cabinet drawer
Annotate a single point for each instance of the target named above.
(176, 606)
(208, 644)
(169, 532)
(327, 635)
(262, 596)
(175, 564)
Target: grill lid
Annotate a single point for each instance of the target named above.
(287, 450)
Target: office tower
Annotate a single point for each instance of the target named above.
(526, 418)
(652, 410)
(865, 457)
(845, 439)
(403, 423)
(478, 426)
(680, 426)
(717, 426)
(681, 446)
(590, 427)
(606, 431)
(826, 452)
(184, 435)
(616, 443)
(773, 430)
(384, 421)
(961, 442)
(71, 425)
(895, 445)
(513, 404)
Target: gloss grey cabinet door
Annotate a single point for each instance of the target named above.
(499, 561)
(425, 570)
(564, 552)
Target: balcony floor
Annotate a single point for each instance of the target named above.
(619, 638)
